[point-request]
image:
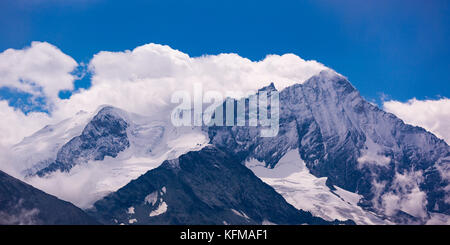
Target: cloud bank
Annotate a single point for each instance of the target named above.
(433, 115)
(141, 80)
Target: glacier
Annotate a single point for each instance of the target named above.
(299, 187)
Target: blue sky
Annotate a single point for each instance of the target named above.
(388, 49)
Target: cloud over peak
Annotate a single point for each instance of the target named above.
(154, 61)
(433, 115)
(141, 80)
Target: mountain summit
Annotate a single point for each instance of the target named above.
(397, 168)
(337, 158)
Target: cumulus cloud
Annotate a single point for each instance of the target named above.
(141, 80)
(433, 115)
(146, 77)
(153, 62)
(41, 69)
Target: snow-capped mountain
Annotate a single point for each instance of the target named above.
(400, 171)
(108, 133)
(104, 135)
(202, 187)
(101, 152)
(336, 157)
(291, 178)
(40, 149)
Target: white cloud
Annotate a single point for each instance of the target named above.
(433, 115)
(405, 195)
(141, 80)
(372, 155)
(14, 124)
(153, 62)
(40, 66)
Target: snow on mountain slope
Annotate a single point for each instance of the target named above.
(83, 180)
(200, 187)
(42, 146)
(401, 171)
(304, 191)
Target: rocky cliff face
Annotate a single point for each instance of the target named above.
(200, 187)
(354, 144)
(104, 135)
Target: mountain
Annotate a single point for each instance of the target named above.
(291, 178)
(104, 135)
(336, 156)
(101, 151)
(40, 149)
(107, 132)
(21, 203)
(395, 167)
(203, 187)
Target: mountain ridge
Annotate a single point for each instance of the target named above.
(202, 187)
(399, 170)
(353, 143)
